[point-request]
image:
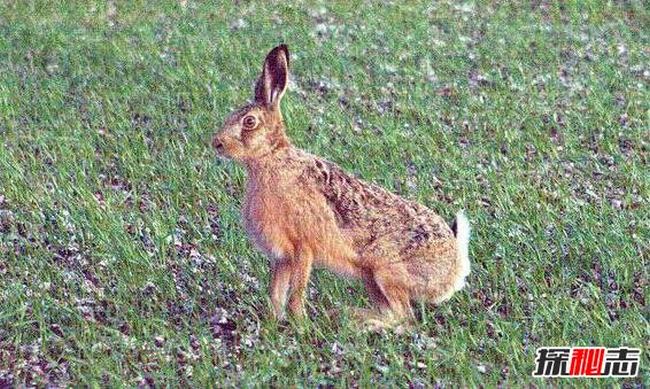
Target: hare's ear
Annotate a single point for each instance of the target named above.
(274, 79)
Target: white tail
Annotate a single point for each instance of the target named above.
(462, 247)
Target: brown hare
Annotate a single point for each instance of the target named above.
(303, 211)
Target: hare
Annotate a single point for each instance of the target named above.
(303, 211)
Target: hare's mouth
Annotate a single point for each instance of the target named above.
(220, 151)
(218, 146)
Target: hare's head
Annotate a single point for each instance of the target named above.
(256, 130)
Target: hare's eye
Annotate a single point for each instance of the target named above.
(249, 121)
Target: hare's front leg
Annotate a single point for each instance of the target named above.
(299, 280)
(280, 277)
(290, 274)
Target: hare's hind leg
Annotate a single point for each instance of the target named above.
(373, 319)
(375, 294)
(390, 295)
(393, 282)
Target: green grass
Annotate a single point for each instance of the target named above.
(122, 255)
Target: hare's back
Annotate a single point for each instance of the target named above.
(370, 213)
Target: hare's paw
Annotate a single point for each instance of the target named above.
(375, 321)
(369, 320)
(360, 315)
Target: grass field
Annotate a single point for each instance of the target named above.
(123, 260)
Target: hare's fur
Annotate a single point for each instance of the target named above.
(304, 212)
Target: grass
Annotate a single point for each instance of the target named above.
(122, 256)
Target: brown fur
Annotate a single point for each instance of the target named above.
(303, 212)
